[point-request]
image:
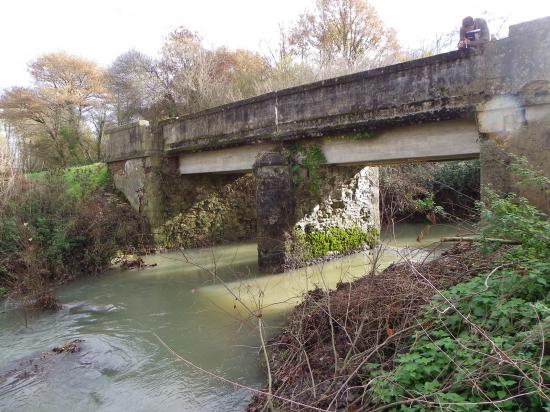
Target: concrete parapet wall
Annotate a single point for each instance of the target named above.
(130, 141)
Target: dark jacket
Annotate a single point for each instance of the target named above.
(482, 37)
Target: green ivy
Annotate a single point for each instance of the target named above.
(310, 157)
(428, 205)
(451, 364)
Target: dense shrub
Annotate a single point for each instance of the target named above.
(453, 186)
(58, 225)
(485, 346)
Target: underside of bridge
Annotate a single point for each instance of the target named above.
(314, 149)
(456, 139)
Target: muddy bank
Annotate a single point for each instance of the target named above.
(321, 358)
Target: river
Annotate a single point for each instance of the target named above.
(122, 365)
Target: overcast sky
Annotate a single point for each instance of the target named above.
(102, 29)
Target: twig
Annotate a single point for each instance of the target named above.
(491, 274)
(367, 357)
(478, 239)
(238, 385)
(269, 379)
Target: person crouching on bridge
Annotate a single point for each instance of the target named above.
(473, 32)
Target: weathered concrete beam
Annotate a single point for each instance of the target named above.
(235, 159)
(445, 140)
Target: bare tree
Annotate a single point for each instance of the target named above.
(134, 86)
(348, 31)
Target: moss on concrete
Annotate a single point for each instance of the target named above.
(360, 135)
(308, 157)
(313, 244)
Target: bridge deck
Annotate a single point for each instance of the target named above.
(389, 102)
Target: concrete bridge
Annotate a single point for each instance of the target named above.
(486, 103)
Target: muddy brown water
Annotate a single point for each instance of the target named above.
(122, 366)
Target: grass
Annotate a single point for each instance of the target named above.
(79, 180)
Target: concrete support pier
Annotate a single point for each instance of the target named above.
(274, 208)
(288, 211)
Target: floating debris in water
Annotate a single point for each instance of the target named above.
(70, 347)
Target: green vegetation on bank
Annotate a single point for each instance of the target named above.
(59, 225)
(79, 180)
(483, 343)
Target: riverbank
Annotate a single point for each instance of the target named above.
(321, 354)
(59, 225)
(467, 330)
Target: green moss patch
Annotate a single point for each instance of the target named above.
(312, 244)
(309, 157)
